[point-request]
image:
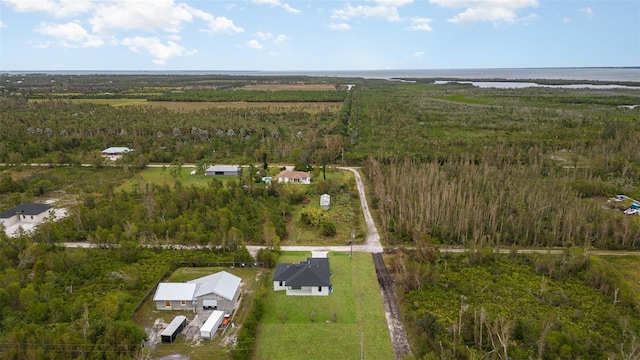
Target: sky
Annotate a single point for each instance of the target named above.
(298, 35)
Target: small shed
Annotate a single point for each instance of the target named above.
(173, 330)
(325, 201)
(209, 328)
(217, 170)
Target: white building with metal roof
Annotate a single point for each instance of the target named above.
(219, 291)
(216, 170)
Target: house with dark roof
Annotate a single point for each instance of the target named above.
(219, 291)
(31, 213)
(311, 277)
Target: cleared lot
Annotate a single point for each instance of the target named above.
(359, 326)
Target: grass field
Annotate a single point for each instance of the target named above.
(357, 303)
(162, 176)
(628, 266)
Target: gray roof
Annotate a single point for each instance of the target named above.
(25, 209)
(222, 283)
(175, 324)
(174, 292)
(117, 149)
(312, 272)
(225, 168)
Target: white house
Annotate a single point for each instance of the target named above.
(28, 213)
(219, 291)
(307, 278)
(223, 170)
(115, 152)
(292, 176)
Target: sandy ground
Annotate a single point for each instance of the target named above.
(15, 229)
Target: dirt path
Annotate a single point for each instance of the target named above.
(394, 320)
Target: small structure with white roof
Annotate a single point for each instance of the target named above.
(115, 152)
(208, 329)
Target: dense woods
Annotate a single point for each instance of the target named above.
(61, 304)
(485, 305)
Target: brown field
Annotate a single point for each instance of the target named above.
(309, 107)
(289, 86)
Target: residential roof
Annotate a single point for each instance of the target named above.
(222, 283)
(292, 174)
(312, 272)
(223, 168)
(117, 149)
(175, 292)
(25, 209)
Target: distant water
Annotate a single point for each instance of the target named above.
(617, 74)
(522, 84)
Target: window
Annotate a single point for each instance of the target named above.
(281, 283)
(296, 288)
(183, 303)
(31, 217)
(319, 288)
(167, 303)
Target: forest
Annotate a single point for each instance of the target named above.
(446, 165)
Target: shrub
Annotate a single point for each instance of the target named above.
(328, 228)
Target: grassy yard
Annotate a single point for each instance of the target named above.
(359, 319)
(162, 176)
(198, 349)
(345, 212)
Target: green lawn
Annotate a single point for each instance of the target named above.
(162, 176)
(357, 303)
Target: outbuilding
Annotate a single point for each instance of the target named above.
(325, 201)
(218, 170)
(209, 328)
(173, 330)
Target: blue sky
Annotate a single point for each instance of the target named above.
(274, 35)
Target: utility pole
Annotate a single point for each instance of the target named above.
(361, 346)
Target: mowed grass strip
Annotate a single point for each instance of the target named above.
(360, 319)
(164, 176)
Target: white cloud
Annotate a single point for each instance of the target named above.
(420, 24)
(122, 22)
(2, 25)
(495, 11)
(222, 25)
(277, 39)
(418, 55)
(70, 35)
(159, 51)
(57, 8)
(566, 20)
(277, 3)
(280, 39)
(339, 26)
(263, 35)
(587, 11)
(385, 9)
(254, 44)
(142, 15)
